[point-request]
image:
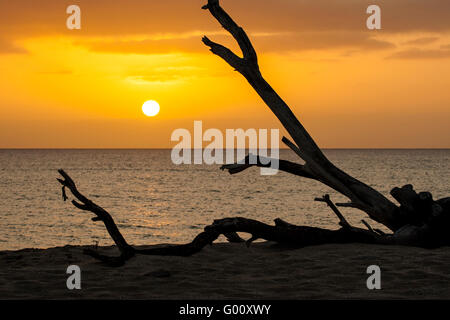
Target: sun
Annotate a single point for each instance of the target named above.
(150, 108)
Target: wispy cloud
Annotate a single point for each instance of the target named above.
(417, 53)
(56, 72)
(422, 41)
(8, 47)
(165, 19)
(155, 80)
(264, 42)
(168, 75)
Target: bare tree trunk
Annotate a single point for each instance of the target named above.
(318, 167)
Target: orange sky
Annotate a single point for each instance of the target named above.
(351, 87)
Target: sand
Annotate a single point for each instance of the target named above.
(232, 271)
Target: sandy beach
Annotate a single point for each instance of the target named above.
(232, 271)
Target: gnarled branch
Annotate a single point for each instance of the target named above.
(282, 232)
(126, 250)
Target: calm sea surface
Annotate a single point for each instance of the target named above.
(154, 201)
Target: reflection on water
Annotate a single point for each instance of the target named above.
(154, 201)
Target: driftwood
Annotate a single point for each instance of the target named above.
(418, 220)
(282, 232)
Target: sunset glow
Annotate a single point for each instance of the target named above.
(351, 87)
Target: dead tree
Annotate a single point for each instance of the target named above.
(418, 220)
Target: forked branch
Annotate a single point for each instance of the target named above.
(101, 214)
(318, 166)
(342, 221)
(237, 32)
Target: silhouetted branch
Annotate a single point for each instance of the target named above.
(342, 221)
(282, 232)
(317, 165)
(237, 32)
(263, 162)
(225, 53)
(101, 215)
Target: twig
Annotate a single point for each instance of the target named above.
(327, 200)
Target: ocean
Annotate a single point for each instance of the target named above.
(154, 201)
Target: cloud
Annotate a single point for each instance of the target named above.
(121, 17)
(147, 46)
(264, 42)
(169, 75)
(57, 72)
(422, 41)
(421, 54)
(118, 26)
(301, 41)
(7, 47)
(155, 79)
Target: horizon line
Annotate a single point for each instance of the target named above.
(326, 148)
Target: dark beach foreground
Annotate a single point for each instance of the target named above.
(232, 271)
